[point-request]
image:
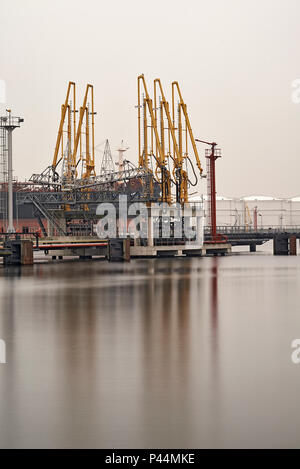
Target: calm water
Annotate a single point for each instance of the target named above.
(154, 353)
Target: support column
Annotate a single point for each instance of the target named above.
(9, 123)
(281, 245)
(150, 229)
(200, 230)
(293, 246)
(10, 227)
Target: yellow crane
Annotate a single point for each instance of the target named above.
(167, 141)
(175, 157)
(185, 135)
(77, 135)
(66, 110)
(247, 217)
(188, 129)
(146, 152)
(87, 158)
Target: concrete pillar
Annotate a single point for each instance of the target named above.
(21, 252)
(150, 228)
(126, 249)
(281, 245)
(200, 230)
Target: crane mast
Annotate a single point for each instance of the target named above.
(167, 157)
(76, 135)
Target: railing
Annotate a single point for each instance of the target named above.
(46, 177)
(259, 229)
(10, 121)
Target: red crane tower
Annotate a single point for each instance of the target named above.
(212, 154)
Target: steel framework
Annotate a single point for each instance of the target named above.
(163, 140)
(79, 139)
(163, 156)
(211, 155)
(107, 164)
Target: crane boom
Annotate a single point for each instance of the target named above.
(175, 85)
(62, 120)
(90, 158)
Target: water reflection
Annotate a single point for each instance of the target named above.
(136, 355)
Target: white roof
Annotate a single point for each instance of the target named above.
(259, 197)
(220, 197)
(249, 198)
(198, 198)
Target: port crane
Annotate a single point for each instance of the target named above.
(247, 217)
(164, 149)
(164, 158)
(79, 138)
(145, 151)
(183, 140)
(67, 109)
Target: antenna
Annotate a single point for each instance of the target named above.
(121, 151)
(107, 165)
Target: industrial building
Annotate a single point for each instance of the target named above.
(64, 196)
(256, 211)
(62, 200)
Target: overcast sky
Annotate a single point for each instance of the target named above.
(235, 61)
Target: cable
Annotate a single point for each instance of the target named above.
(193, 172)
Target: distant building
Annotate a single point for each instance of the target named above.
(256, 209)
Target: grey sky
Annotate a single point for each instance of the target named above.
(235, 61)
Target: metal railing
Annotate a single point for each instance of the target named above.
(259, 229)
